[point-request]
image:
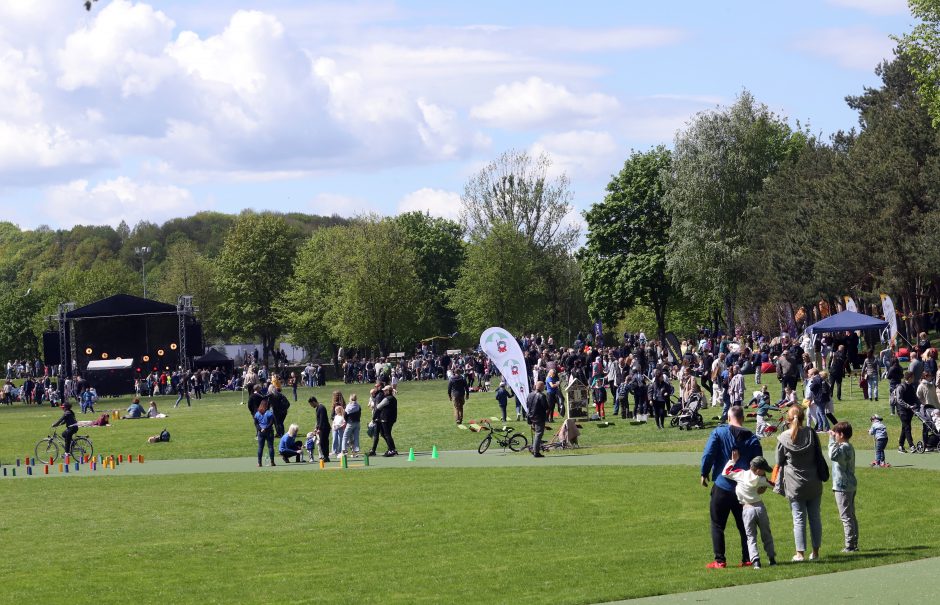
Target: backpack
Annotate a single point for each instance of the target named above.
(164, 435)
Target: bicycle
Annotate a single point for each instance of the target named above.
(50, 447)
(505, 437)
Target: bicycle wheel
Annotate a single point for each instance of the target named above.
(81, 447)
(518, 442)
(485, 444)
(47, 448)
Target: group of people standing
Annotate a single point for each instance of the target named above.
(342, 422)
(733, 460)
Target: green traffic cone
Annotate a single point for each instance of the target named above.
(343, 460)
(434, 455)
(411, 455)
(365, 460)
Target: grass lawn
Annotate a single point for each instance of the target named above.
(499, 535)
(217, 426)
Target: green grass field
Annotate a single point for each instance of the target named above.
(573, 534)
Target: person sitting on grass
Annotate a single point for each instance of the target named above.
(135, 411)
(751, 484)
(289, 447)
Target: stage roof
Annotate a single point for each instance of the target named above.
(121, 305)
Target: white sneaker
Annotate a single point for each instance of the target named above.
(797, 557)
(813, 557)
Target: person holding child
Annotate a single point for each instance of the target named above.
(751, 483)
(798, 455)
(718, 450)
(844, 482)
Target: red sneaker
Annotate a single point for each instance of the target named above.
(745, 564)
(716, 565)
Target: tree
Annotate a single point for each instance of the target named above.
(256, 262)
(439, 251)
(921, 48)
(499, 283)
(21, 324)
(518, 190)
(624, 260)
(186, 271)
(720, 161)
(357, 286)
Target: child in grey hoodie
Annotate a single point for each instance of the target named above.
(880, 432)
(844, 483)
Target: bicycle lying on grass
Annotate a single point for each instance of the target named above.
(505, 437)
(51, 446)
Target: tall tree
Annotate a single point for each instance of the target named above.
(519, 190)
(356, 285)
(624, 260)
(719, 162)
(921, 48)
(499, 283)
(257, 260)
(186, 271)
(439, 251)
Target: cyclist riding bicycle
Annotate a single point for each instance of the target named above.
(71, 425)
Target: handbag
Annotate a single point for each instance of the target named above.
(370, 430)
(822, 469)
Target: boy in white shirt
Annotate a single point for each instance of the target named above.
(750, 485)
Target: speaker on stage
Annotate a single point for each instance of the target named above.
(51, 356)
(194, 346)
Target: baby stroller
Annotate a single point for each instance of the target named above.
(930, 438)
(687, 416)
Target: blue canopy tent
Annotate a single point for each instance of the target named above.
(847, 321)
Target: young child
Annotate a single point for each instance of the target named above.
(750, 485)
(599, 394)
(844, 483)
(762, 399)
(311, 445)
(880, 433)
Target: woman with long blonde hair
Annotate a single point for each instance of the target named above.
(798, 451)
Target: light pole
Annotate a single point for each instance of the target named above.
(142, 252)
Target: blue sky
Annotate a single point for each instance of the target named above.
(141, 111)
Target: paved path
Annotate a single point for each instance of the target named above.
(908, 583)
(449, 459)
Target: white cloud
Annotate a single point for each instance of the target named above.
(436, 202)
(851, 47)
(583, 153)
(110, 202)
(121, 46)
(875, 7)
(536, 102)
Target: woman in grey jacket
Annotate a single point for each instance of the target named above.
(796, 455)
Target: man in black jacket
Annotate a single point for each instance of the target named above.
(254, 400)
(908, 403)
(537, 404)
(458, 391)
(837, 371)
(388, 416)
(322, 428)
(279, 405)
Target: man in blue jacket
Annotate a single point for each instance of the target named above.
(724, 439)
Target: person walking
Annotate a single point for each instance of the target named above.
(537, 405)
(659, 393)
(802, 473)
(907, 403)
(837, 371)
(279, 405)
(718, 450)
(457, 392)
(388, 416)
(182, 388)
